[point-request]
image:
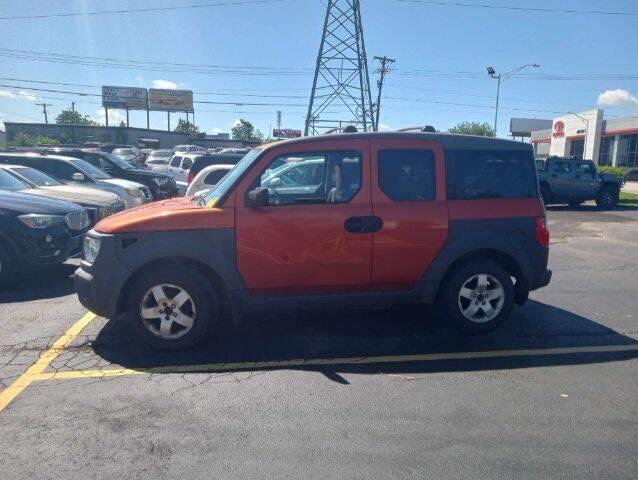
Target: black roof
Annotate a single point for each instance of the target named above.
(447, 140)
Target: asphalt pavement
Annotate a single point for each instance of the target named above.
(347, 393)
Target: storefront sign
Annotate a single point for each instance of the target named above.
(559, 129)
(133, 98)
(170, 100)
(286, 133)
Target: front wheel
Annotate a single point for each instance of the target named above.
(478, 296)
(172, 307)
(607, 197)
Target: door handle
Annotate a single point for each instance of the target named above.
(367, 224)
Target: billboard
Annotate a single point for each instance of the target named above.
(286, 133)
(133, 98)
(170, 100)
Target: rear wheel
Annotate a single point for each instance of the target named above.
(607, 197)
(478, 296)
(172, 308)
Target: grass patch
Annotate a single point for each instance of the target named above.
(627, 198)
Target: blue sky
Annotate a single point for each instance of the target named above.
(286, 34)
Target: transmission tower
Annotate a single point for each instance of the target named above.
(341, 79)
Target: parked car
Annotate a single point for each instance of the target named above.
(179, 165)
(160, 185)
(158, 157)
(129, 154)
(452, 219)
(631, 176)
(208, 178)
(212, 159)
(573, 181)
(37, 231)
(78, 172)
(99, 204)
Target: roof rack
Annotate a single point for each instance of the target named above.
(423, 128)
(346, 129)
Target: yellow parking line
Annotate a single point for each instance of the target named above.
(29, 376)
(426, 357)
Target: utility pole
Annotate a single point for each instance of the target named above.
(383, 70)
(106, 115)
(73, 107)
(278, 123)
(44, 110)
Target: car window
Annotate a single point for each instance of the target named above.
(10, 182)
(88, 169)
(175, 161)
(406, 175)
(478, 174)
(310, 178)
(37, 177)
(561, 167)
(215, 176)
(187, 163)
(58, 169)
(585, 168)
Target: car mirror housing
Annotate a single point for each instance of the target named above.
(257, 197)
(78, 177)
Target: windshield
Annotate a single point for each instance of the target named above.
(89, 169)
(37, 177)
(225, 184)
(126, 152)
(123, 164)
(11, 183)
(159, 155)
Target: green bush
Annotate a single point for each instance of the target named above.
(618, 171)
(22, 139)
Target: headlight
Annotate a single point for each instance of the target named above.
(91, 249)
(36, 220)
(134, 192)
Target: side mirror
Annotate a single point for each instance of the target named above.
(275, 182)
(258, 197)
(78, 177)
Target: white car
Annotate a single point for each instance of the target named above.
(179, 165)
(208, 178)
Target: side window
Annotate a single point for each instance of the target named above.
(92, 159)
(584, 168)
(407, 175)
(213, 177)
(187, 163)
(311, 178)
(478, 174)
(175, 161)
(561, 167)
(60, 170)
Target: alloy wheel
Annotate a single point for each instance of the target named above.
(481, 298)
(167, 311)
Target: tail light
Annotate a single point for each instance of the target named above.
(542, 232)
(190, 177)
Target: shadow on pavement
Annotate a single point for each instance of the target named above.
(47, 282)
(407, 330)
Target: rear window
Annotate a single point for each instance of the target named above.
(407, 175)
(477, 174)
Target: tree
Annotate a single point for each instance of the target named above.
(473, 128)
(69, 117)
(22, 139)
(186, 127)
(244, 130)
(121, 134)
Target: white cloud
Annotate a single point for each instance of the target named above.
(617, 98)
(26, 95)
(384, 127)
(7, 94)
(167, 84)
(115, 117)
(236, 122)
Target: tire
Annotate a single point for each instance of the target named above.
(164, 323)
(7, 268)
(462, 295)
(607, 198)
(546, 195)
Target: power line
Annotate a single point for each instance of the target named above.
(521, 9)
(140, 10)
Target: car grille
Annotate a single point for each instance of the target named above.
(111, 209)
(78, 220)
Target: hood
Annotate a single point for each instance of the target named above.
(22, 203)
(167, 215)
(141, 173)
(87, 196)
(120, 182)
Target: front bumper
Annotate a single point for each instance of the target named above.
(98, 285)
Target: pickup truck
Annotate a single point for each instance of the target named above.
(573, 181)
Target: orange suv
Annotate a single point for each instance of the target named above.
(361, 218)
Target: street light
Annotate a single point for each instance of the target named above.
(504, 76)
(586, 120)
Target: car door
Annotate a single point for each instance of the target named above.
(312, 241)
(585, 179)
(562, 174)
(409, 196)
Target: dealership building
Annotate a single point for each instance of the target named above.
(589, 135)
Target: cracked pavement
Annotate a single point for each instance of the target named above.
(556, 416)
